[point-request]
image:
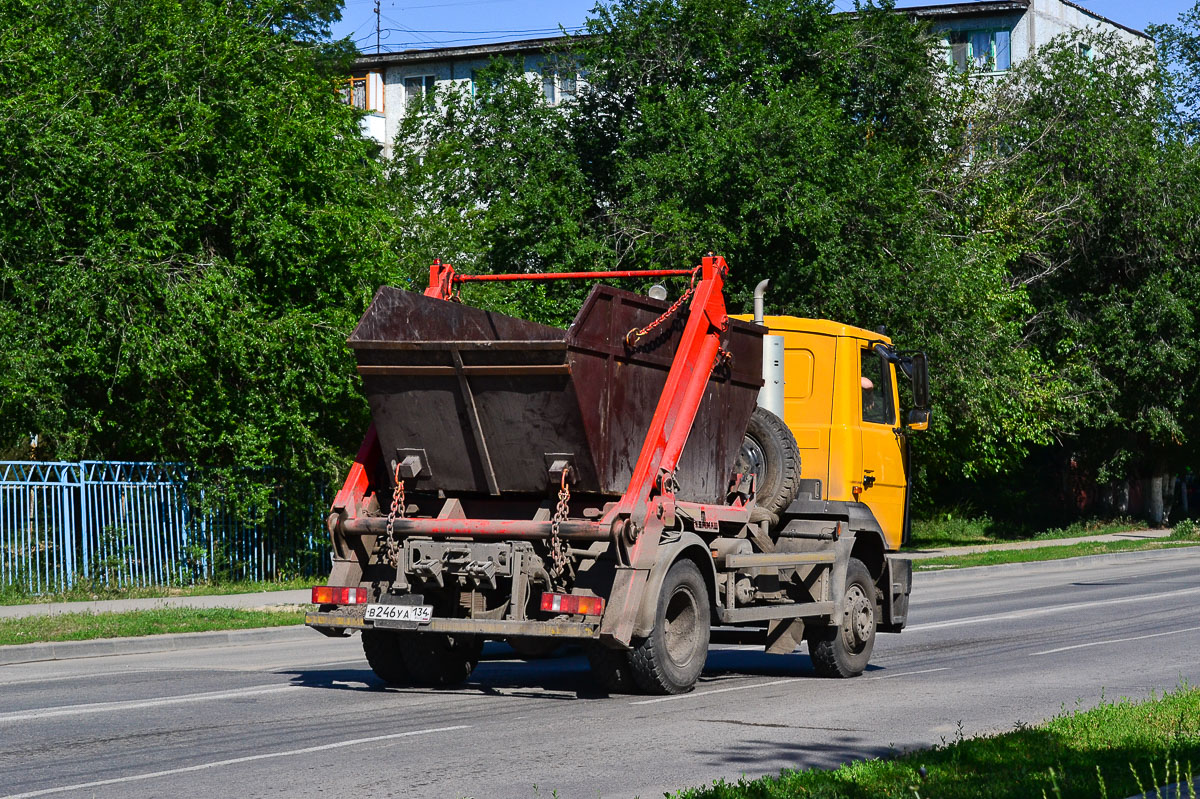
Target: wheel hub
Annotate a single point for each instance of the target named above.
(753, 459)
(859, 621)
(680, 627)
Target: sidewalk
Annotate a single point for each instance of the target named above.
(268, 600)
(1131, 535)
(293, 599)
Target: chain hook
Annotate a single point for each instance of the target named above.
(400, 507)
(558, 549)
(635, 335)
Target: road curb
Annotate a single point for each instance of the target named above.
(142, 645)
(1106, 556)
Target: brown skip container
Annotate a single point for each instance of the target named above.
(489, 402)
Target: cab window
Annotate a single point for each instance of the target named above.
(876, 390)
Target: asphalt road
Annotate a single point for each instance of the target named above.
(989, 648)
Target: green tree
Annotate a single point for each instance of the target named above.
(189, 228)
(1074, 164)
(807, 147)
(486, 176)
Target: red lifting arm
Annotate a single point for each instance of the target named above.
(443, 278)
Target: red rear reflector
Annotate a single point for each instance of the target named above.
(338, 595)
(573, 605)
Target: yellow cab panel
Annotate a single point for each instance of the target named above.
(847, 433)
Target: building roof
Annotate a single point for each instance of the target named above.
(977, 8)
(966, 9)
(474, 51)
(1000, 7)
(1114, 23)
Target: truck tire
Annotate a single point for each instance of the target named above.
(670, 660)
(440, 659)
(383, 651)
(769, 451)
(843, 650)
(610, 668)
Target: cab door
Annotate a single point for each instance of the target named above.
(884, 485)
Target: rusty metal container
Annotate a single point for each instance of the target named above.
(489, 402)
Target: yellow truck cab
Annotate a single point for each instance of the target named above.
(841, 402)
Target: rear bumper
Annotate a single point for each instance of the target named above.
(338, 623)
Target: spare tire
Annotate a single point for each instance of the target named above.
(770, 453)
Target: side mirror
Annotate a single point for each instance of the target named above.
(918, 419)
(920, 381)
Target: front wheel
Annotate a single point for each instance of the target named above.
(670, 660)
(844, 649)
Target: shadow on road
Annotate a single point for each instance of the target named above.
(563, 676)
(752, 755)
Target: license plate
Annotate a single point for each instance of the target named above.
(419, 613)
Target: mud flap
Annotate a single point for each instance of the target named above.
(784, 636)
(897, 585)
(837, 577)
(629, 586)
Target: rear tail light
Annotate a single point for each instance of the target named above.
(574, 605)
(338, 595)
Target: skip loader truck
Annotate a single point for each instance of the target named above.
(639, 483)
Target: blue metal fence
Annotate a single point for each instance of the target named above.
(122, 523)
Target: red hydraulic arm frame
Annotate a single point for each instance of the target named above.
(648, 505)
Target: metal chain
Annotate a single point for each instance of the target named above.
(399, 506)
(634, 336)
(558, 549)
(723, 356)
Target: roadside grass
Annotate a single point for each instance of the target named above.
(1183, 536)
(1115, 749)
(87, 591)
(952, 530)
(87, 626)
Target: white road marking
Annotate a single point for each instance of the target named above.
(699, 694)
(905, 674)
(133, 704)
(1024, 614)
(231, 762)
(1113, 641)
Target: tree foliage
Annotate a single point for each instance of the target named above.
(1077, 165)
(803, 145)
(192, 222)
(188, 230)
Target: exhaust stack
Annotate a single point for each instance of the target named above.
(770, 396)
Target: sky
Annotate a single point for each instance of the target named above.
(451, 23)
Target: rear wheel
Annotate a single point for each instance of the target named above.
(670, 660)
(843, 650)
(770, 453)
(611, 669)
(441, 659)
(383, 651)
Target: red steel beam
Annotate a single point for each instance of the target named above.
(572, 275)
(523, 529)
(359, 480)
(443, 278)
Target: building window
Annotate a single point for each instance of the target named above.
(364, 91)
(979, 50)
(417, 88)
(559, 86)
